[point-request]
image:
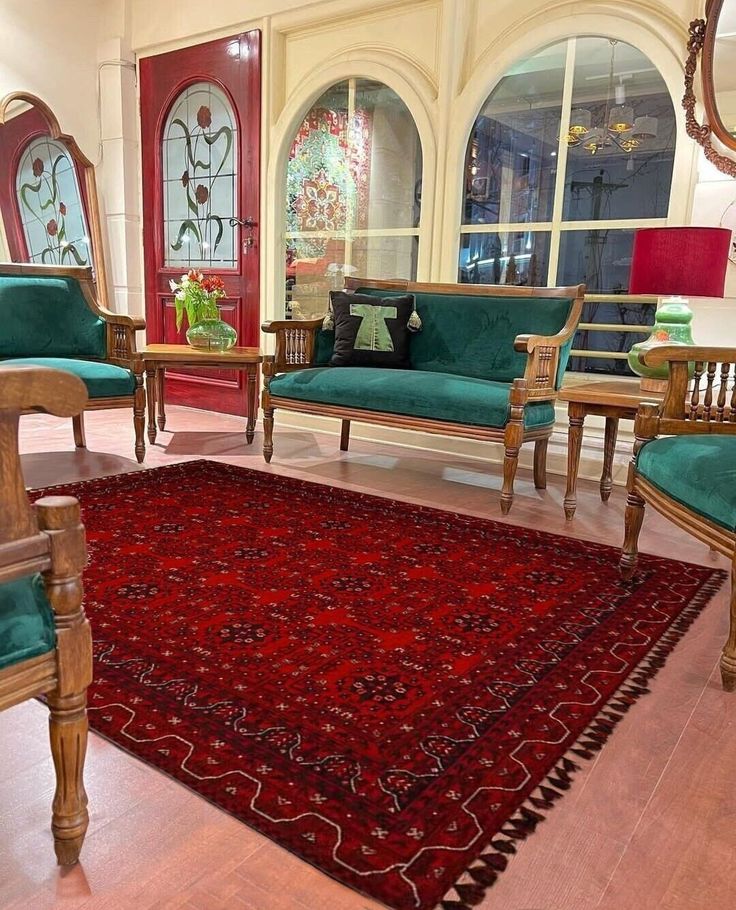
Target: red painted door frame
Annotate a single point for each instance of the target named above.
(233, 64)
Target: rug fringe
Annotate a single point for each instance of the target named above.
(470, 888)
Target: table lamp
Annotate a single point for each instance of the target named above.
(682, 261)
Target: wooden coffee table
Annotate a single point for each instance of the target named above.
(614, 399)
(159, 357)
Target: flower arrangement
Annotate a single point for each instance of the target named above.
(197, 295)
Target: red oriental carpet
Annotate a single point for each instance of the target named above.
(392, 693)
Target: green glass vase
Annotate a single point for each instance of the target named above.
(212, 335)
(671, 326)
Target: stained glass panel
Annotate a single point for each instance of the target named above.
(200, 179)
(353, 181)
(50, 204)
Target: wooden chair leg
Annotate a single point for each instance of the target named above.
(80, 438)
(139, 418)
(344, 435)
(58, 517)
(540, 464)
(268, 434)
(510, 463)
(633, 521)
(68, 733)
(728, 658)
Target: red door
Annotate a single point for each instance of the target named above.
(200, 137)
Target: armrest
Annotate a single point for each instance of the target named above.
(543, 353)
(295, 344)
(41, 389)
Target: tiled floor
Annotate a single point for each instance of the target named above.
(649, 825)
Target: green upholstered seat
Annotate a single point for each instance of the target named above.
(697, 471)
(416, 393)
(47, 316)
(103, 380)
(26, 621)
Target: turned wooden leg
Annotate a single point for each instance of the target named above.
(540, 464)
(728, 658)
(633, 520)
(161, 397)
(609, 449)
(252, 402)
(510, 463)
(151, 389)
(576, 417)
(58, 517)
(80, 438)
(268, 434)
(344, 435)
(68, 734)
(139, 418)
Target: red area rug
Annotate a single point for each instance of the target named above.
(392, 693)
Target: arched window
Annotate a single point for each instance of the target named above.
(353, 193)
(573, 149)
(50, 205)
(200, 179)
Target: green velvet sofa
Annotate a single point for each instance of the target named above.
(486, 365)
(684, 462)
(50, 317)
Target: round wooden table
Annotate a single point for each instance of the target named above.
(157, 357)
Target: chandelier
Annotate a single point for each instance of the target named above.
(620, 130)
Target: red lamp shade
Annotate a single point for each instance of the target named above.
(684, 261)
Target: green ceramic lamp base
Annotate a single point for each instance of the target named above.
(671, 326)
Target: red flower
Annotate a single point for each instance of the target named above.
(194, 275)
(204, 117)
(212, 283)
(62, 208)
(202, 194)
(52, 228)
(185, 178)
(37, 167)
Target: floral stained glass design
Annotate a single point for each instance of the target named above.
(50, 204)
(200, 179)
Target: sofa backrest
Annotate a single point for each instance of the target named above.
(473, 334)
(47, 316)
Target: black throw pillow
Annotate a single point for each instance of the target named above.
(371, 331)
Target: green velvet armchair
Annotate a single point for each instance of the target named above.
(45, 641)
(684, 462)
(50, 317)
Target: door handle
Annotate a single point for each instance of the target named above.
(248, 225)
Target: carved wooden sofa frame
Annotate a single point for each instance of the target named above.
(703, 405)
(120, 332)
(48, 538)
(295, 349)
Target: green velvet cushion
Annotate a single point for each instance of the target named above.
(474, 336)
(47, 316)
(26, 621)
(697, 471)
(103, 380)
(438, 396)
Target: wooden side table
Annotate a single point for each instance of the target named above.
(614, 399)
(157, 357)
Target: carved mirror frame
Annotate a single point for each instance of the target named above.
(84, 168)
(702, 41)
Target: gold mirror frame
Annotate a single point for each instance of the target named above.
(85, 166)
(702, 39)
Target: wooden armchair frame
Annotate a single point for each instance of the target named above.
(120, 332)
(48, 537)
(295, 350)
(703, 404)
